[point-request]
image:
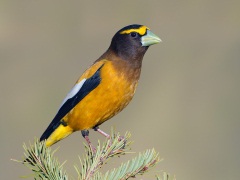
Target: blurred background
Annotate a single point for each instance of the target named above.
(187, 102)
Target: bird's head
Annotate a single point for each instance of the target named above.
(131, 42)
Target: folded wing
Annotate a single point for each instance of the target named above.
(77, 93)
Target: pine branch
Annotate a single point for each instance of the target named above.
(41, 161)
(166, 176)
(137, 166)
(115, 146)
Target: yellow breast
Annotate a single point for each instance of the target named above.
(113, 94)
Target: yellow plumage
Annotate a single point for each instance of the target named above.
(105, 88)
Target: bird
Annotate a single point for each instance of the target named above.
(105, 88)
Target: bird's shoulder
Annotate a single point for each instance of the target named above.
(107, 65)
(89, 72)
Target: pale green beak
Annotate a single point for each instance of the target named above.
(150, 39)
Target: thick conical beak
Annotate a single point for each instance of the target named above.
(150, 39)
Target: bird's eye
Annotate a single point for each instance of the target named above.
(133, 34)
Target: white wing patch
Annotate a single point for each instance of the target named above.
(73, 91)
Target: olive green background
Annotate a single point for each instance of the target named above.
(187, 104)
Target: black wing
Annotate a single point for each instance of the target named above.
(89, 85)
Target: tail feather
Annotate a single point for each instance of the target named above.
(53, 135)
(50, 129)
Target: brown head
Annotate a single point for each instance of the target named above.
(131, 42)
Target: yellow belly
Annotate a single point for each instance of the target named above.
(113, 93)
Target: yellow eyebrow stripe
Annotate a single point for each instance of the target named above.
(142, 30)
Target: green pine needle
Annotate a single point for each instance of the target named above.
(137, 166)
(114, 146)
(166, 176)
(41, 161)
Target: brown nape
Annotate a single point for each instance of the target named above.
(113, 56)
(130, 68)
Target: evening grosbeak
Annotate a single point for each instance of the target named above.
(105, 88)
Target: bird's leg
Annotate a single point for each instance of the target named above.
(96, 128)
(85, 134)
(101, 132)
